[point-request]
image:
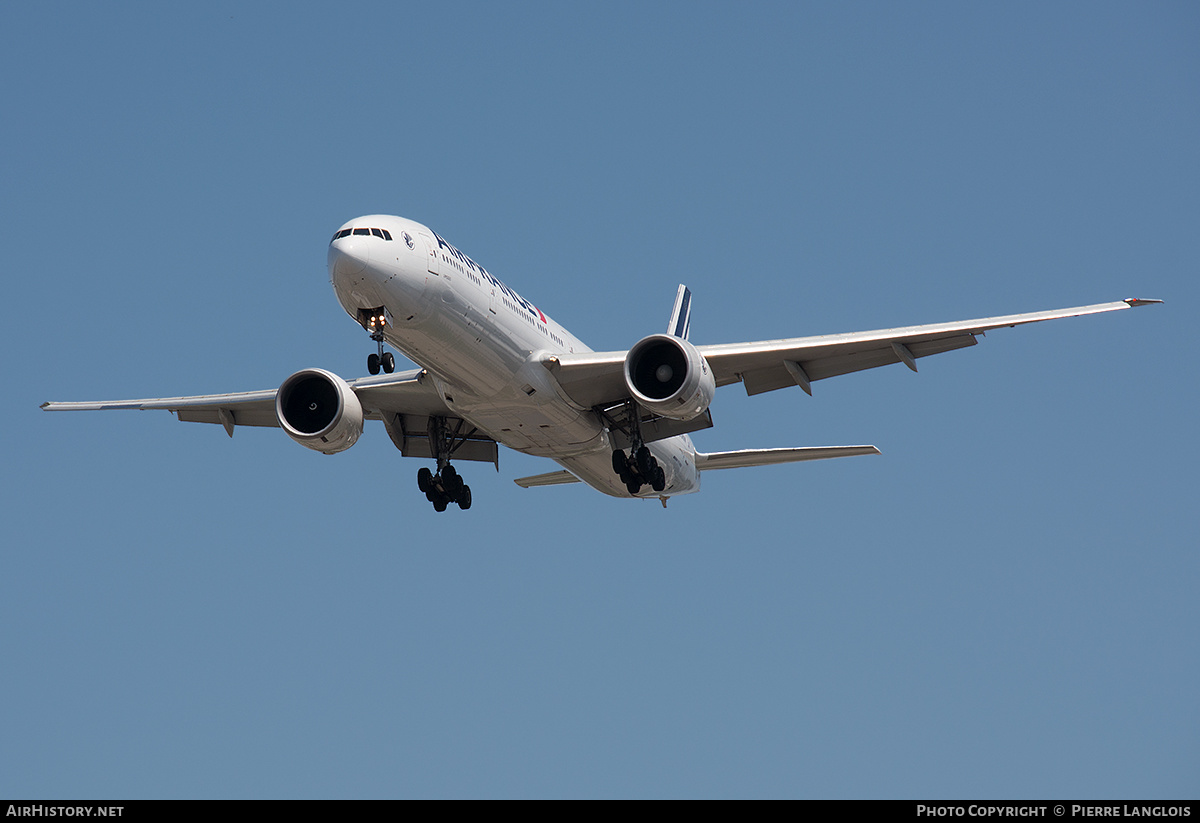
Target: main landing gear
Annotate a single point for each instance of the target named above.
(445, 486)
(638, 469)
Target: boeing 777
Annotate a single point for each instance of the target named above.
(495, 369)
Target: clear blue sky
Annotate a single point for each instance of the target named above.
(1003, 604)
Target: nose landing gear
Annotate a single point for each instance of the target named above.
(384, 359)
(374, 321)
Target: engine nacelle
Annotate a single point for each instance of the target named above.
(319, 411)
(668, 376)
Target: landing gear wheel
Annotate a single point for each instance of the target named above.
(388, 361)
(659, 481)
(440, 504)
(620, 463)
(373, 363)
(450, 478)
(646, 462)
(464, 497)
(633, 486)
(424, 480)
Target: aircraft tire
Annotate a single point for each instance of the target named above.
(424, 479)
(373, 363)
(464, 498)
(388, 361)
(620, 463)
(659, 482)
(440, 504)
(646, 462)
(633, 486)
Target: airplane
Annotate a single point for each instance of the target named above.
(495, 369)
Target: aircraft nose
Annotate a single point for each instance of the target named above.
(348, 256)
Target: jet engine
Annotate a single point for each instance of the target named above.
(319, 411)
(668, 376)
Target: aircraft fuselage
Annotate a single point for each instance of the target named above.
(483, 344)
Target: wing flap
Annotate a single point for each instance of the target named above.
(245, 415)
(410, 434)
(836, 360)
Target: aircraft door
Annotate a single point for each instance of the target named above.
(431, 252)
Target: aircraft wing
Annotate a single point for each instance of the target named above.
(403, 401)
(597, 378)
(744, 458)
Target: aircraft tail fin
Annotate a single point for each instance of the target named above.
(767, 457)
(681, 315)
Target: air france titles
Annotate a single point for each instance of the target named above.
(491, 278)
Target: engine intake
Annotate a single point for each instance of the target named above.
(319, 411)
(668, 376)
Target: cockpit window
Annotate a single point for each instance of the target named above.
(382, 234)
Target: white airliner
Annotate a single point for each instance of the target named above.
(495, 369)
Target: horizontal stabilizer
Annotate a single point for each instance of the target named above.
(767, 457)
(550, 479)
